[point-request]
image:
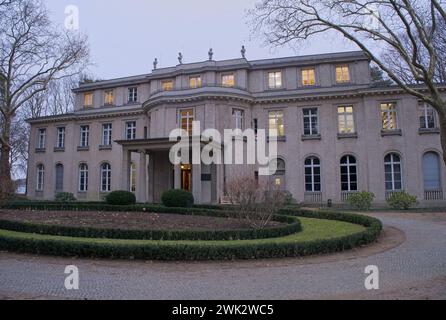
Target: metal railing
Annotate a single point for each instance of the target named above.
(313, 197)
(433, 194)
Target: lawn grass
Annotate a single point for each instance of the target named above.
(312, 229)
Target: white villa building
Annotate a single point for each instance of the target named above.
(338, 133)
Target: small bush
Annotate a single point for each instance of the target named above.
(401, 201)
(65, 197)
(361, 200)
(120, 198)
(177, 199)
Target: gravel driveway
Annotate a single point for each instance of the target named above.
(411, 257)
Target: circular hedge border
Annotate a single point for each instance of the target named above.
(202, 251)
(292, 225)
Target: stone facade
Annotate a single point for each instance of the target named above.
(331, 115)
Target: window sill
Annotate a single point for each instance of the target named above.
(279, 138)
(56, 149)
(397, 132)
(103, 147)
(40, 150)
(353, 135)
(311, 137)
(83, 148)
(429, 131)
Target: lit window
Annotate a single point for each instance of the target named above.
(389, 116)
(167, 85)
(228, 80)
(342, 74)
(312, 175)
(393, 172)
(109, 98)
(60, 143)
(41, 137)
(85, 136)
(186, 119)
(349, 175)
(275, 80)
(308, 77)
(88, 99)
(106, 134)
(427, 116)
(132, 177)
(238, 118)
(130, 129)
(345, 119)
(40, 177)
(311, 121)
(275, 120)
(133, 95)
(195, 82)
(83, 177)
(106, 177)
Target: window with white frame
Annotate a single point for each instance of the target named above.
(393, 172)
(133, 95)
(308, 77)
(275, 80)
(186, 119)
(427, 116)
(132, 177)
(228, 80)
(83, 177)
(88, 99)
(109, 99)
(130, 130)
(349, 174)
(60, 141)
(275, 122)
(389, 116)
(107, 134)
(40, 177)
(342, 74)
(167, 85)
(346, 123)
(41, 137)
(238, 116)
(85, 136)
(311, 121)
(105, 177)
(312, 174)
(195, 82)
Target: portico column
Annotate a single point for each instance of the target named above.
(151, 194)
(177, 176)
(196, 182)
(126, 158)
(141, 186)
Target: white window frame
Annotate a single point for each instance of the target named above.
(313, 166)
(392, 164)
(84, 136)
(107, 95)
(132, 177)
(60, 143)
(349, 165)
(277, 116)
(343, 67)
(88, 103)
(83, 174)
(198, 82)
(424, 109)
(275, 80)
(105, 177)
(239, 118)
(40, 181)
(132, 95)
(307, 78)
(130, 130)
(343, 119)
(189, 119)
(225, 77)
(309, 117)
(41, 138)
(388, 116)
(107, 132)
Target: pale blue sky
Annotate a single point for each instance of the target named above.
(126, 35)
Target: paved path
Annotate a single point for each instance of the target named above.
(411, 258)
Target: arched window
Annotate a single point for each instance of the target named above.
(83, 177)
(349, 174)
(312, 175)
(59, 177)
(393, 172)
(279, 176)
(40, 177)
(105, 177)
(431, 171)
(132, 177)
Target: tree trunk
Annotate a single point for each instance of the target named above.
(442, 120)
(6, 188)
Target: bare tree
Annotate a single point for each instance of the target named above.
(256, 202)
(405, 38)
(33, 54)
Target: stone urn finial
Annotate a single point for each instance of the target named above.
(155, 63)
(211, 54)
(243, 51)
(180, 58)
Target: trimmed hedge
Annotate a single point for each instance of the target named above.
(201, 251)
(120, 198)
(292, 226)
(177, 198)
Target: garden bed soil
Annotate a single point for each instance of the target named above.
(127, 220)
